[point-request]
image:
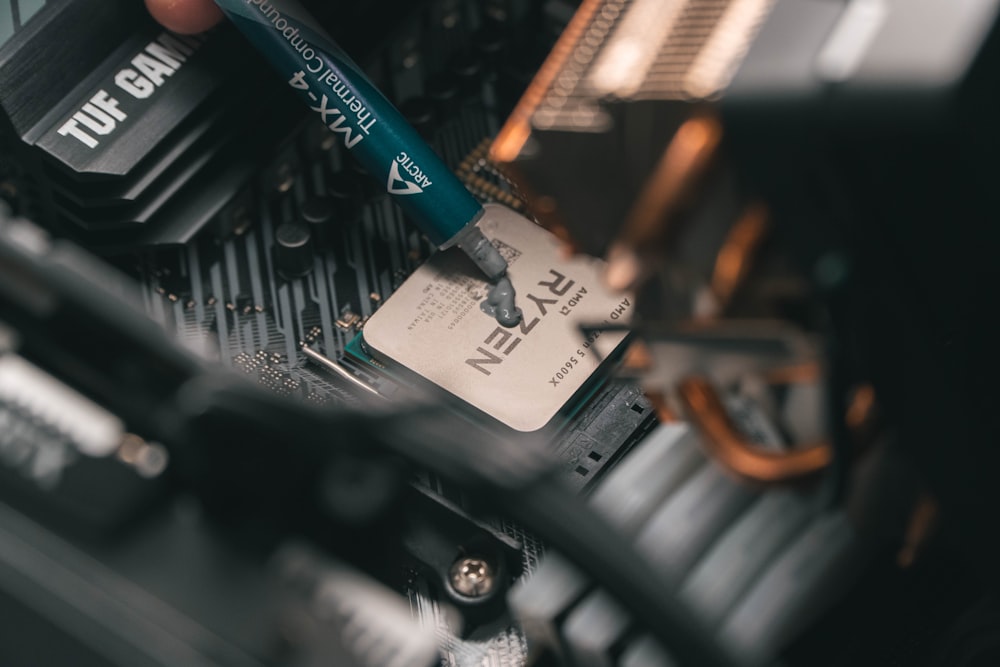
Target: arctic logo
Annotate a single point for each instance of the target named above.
(397, 185)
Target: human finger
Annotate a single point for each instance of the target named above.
(185, 16)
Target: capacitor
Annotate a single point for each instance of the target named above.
(491, 43)
(443, 90)
(368, 186)
(344, 193)
(467, 66)
(420, 113)
(293, 249)
(317, 214)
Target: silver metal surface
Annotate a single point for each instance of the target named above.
(31, 391)
(522, 376)
(472, 577)
(337, 369)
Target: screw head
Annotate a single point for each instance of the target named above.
(472, 577)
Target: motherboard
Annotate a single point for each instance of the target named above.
(721, 406)
(280, 281)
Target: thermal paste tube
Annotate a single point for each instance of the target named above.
(326, 79)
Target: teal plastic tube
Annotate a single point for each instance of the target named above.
(367, 124)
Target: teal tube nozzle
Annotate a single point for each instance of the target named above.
(366, 123)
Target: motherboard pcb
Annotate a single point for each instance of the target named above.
(292, 270)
